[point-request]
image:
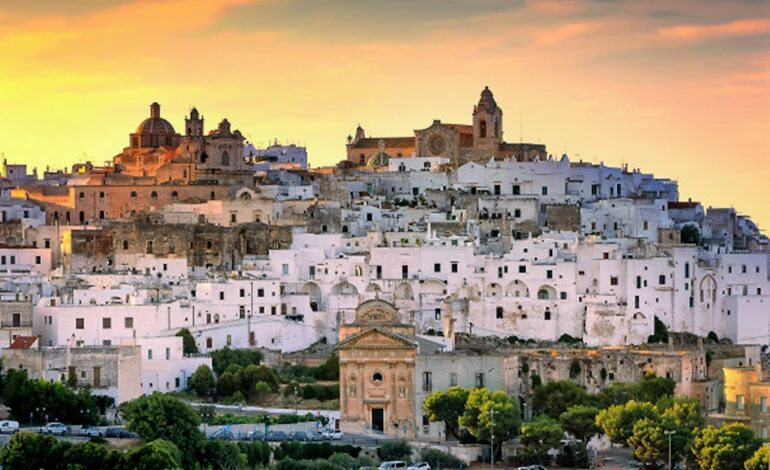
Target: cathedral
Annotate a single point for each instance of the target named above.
(460, 143)
(158, 152)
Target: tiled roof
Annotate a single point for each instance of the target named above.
(390, 142)
(23, 342)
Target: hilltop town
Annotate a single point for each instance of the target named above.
(446, 257)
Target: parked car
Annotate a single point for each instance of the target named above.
(224, 433)
(315, 436)
(90, 431)
(336, 435)
(277, 436)
(119, 432)
(255, 436)
(8, 427)
(298, 436)
(419, 466)
(532, 467)
(393, 465)
(55, 428)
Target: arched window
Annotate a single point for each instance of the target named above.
(101, 215)
(213, 195)
(133, 194)
(101, 194)
(483, 129)
(225, 159)
(82, 195)
(497, 129)
(542, 294)
(82, 217)
(174, 195)
(377, 377)
(171, 247)
(204, 157)
(154, 195)
(547, 314)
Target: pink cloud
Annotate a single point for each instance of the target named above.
(721, 30)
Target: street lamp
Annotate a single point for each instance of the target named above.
(669, 434)
(492, 438)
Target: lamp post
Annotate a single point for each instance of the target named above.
(669, 434)
(492, 438)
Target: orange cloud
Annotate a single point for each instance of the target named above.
(713, 31)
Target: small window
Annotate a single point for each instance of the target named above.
(436, 267)
(376, 377)
(499, 312)
(739, 404)
(107, 323)
(79, 323)
(128, 322)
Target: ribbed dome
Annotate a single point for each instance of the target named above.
(158, 126)
(155, 125)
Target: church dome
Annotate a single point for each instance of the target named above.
(155, 124)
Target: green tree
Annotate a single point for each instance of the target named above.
(228, 383)
(617, 393)
(160, 416)
(222, 455)
(491, 413)
(439, 459)
(202, 382)
(188, 342)
(553, 398)
(617, 421)
(690, 234)
(253, 374)
(32, 450)
(725, 447)
(650, 440)
(158, 454)
(652, 388)
(221, 359)
(395, 450)
(660, 334)
(344, 460)
(446, 406)
(580, 421)
(540, 435)
(261, 392)
(92, 456)
(758, 461)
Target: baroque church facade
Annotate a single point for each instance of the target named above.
(157, 151)
(460, 143)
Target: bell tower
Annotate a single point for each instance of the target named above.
(487, 123)
(194, 124)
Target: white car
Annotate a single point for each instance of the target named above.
(336, 435)
(393, 465)
(419, 466)
(57, 429)
(9, 427)
(90, 431)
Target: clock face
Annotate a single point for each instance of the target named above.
(436, 144)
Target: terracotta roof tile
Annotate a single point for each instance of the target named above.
(23, 342)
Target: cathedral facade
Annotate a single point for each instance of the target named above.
(158, 152)
(460, 143)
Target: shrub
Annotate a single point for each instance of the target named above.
(439, 459)
(395, 450)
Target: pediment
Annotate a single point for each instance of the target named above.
(375, 338)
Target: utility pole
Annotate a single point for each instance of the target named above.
(492, 438)
(669, 434)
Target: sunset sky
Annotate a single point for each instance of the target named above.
(679, 88)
